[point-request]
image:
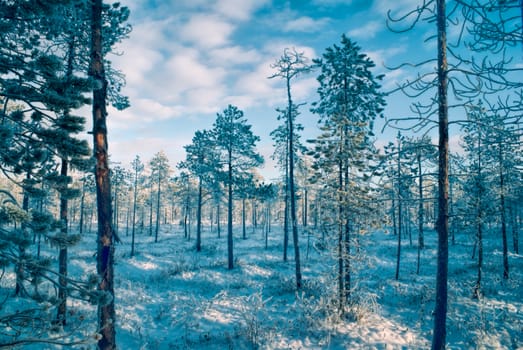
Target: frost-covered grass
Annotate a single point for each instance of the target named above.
(168, 296)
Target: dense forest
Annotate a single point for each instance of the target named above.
(354, 245)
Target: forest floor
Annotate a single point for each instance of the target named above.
(168, 296)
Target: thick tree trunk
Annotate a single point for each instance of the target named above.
(105, 251)
(440, 311)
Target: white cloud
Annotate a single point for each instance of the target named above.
(185, 72)
(207, 31)
(305, 24)
(238, 10)
(274, 49)
(147, 147)
(304, 89)
(367, 31)
(234, 55)
(141, 53)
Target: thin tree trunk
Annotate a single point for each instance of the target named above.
(244, 231)
(134, 209)
(347, 243)
(62, 255)
(286, 209)
(199, 217)
(105, 251)
(151, 210)
(20, 266)
(503, 214)
(292, 190)
(116, 209)
(305, 208)
(341, 292)
(440, 311)
(230, 252)
(514, 224)
(421, 240)
(394, 225)
(158, 207)
(479, 221)
(218, 219)
(400, 215)
(82, 210)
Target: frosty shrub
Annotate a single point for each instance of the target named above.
(315, 313)
(363, 304)
(254, 316)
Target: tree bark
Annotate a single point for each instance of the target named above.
(421, 240)
(440, 311)
(157, 228)
(292, 190)
(503, 213)
(133, 232)
(400, 214)
(199, 217)
(62, 255)
(244, 230)
(230, 252)
(105, 251)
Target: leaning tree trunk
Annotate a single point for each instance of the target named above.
(105, 251)
(292, 192)
(442, 227)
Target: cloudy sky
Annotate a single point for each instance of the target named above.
(186, 60)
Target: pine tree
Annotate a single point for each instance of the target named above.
(349, 101)
(137, 170)
(201, 162)
(235, 144)
(290, 65)
(160, 169)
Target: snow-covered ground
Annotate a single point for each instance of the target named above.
(170, 297)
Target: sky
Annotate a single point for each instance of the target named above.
(186, 60)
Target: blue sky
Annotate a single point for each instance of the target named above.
(186, 60)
